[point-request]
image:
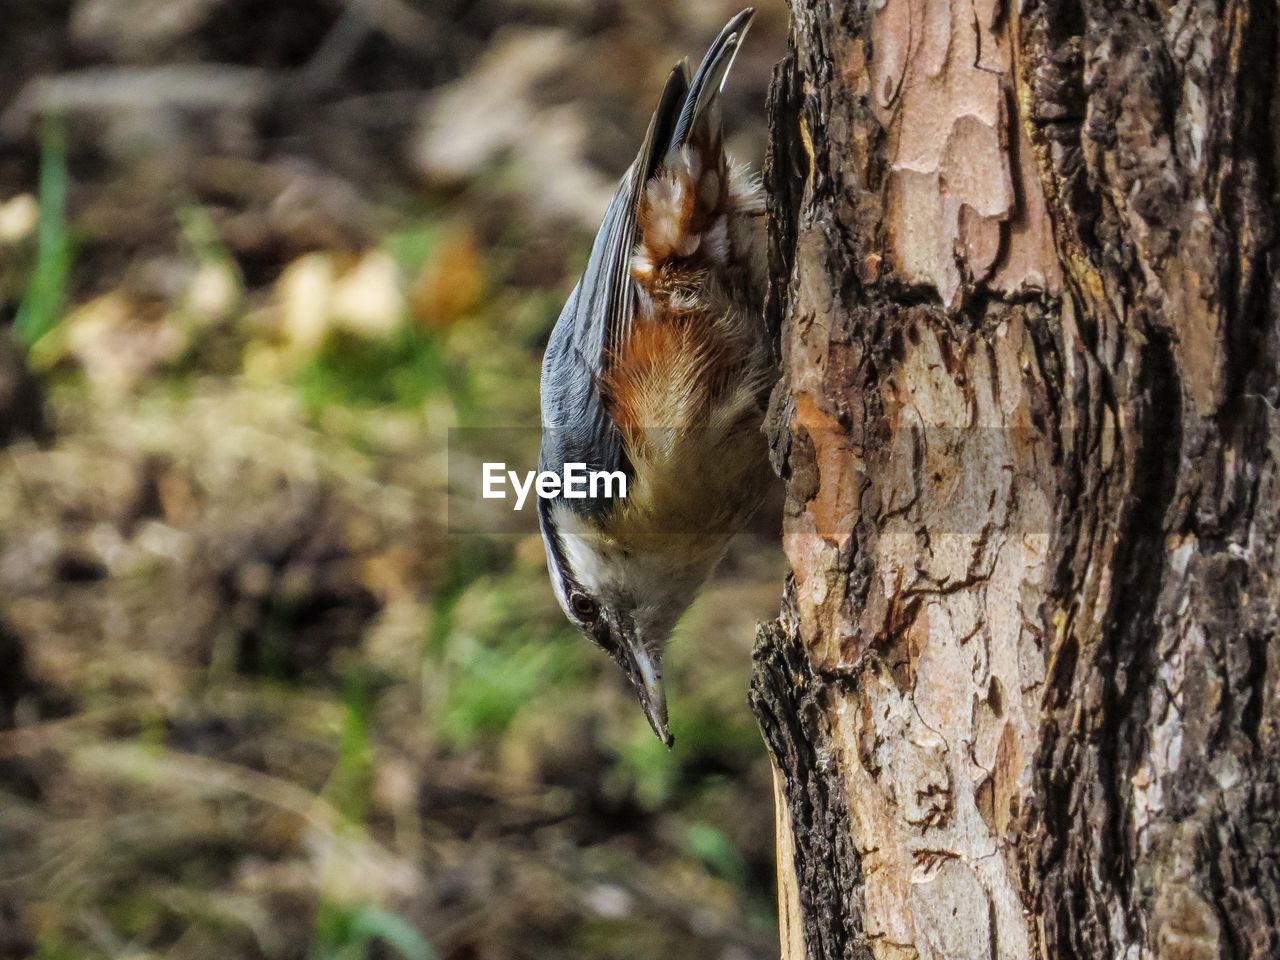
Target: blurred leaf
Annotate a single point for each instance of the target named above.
(469, 559)
(53, 947)
(48, 286)
(392, 930)
(19, 218)
(304, 291)
(201, 233)
(347, 933)
(710, 845)
(708, 723)
(368, 299)
(216, 290)
(649, 769)
(403, 370)
(413, 246)
(492, 685)
(350, 787)
(450, 282)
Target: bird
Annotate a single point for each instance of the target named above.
(660, 366)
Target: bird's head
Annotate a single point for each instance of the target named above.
(626, 600)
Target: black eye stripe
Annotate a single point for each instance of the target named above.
(602, 638)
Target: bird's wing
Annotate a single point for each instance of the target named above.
(597, 320)
(598, 316)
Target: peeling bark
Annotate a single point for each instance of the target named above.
(1023, 694)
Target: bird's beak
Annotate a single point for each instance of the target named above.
(646, 677)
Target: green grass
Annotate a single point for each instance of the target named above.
(402, 371)
(351, 786)
(489, 686)
(348, 933)
(411, 247)
(716, 851)
(646, 767)
(201, 234)
(47, 288)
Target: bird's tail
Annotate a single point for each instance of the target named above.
(700, 116)
(681, 204)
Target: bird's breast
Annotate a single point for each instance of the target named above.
(686, 393)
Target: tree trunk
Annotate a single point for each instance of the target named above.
(1023, 696)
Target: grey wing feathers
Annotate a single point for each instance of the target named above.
(576, 427)
(621, 300)
(597, 319)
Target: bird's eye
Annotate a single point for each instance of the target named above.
(583, 606)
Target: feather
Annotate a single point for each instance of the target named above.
(599, 318)
(700, 110)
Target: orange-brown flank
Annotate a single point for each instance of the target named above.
(674, 368)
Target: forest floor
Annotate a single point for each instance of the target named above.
(258, 698)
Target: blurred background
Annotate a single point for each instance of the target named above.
(257, 260)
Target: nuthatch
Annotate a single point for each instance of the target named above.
(659, 367)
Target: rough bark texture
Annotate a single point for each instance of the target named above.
(1024, 694)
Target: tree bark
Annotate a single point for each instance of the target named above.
(1023, 697)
